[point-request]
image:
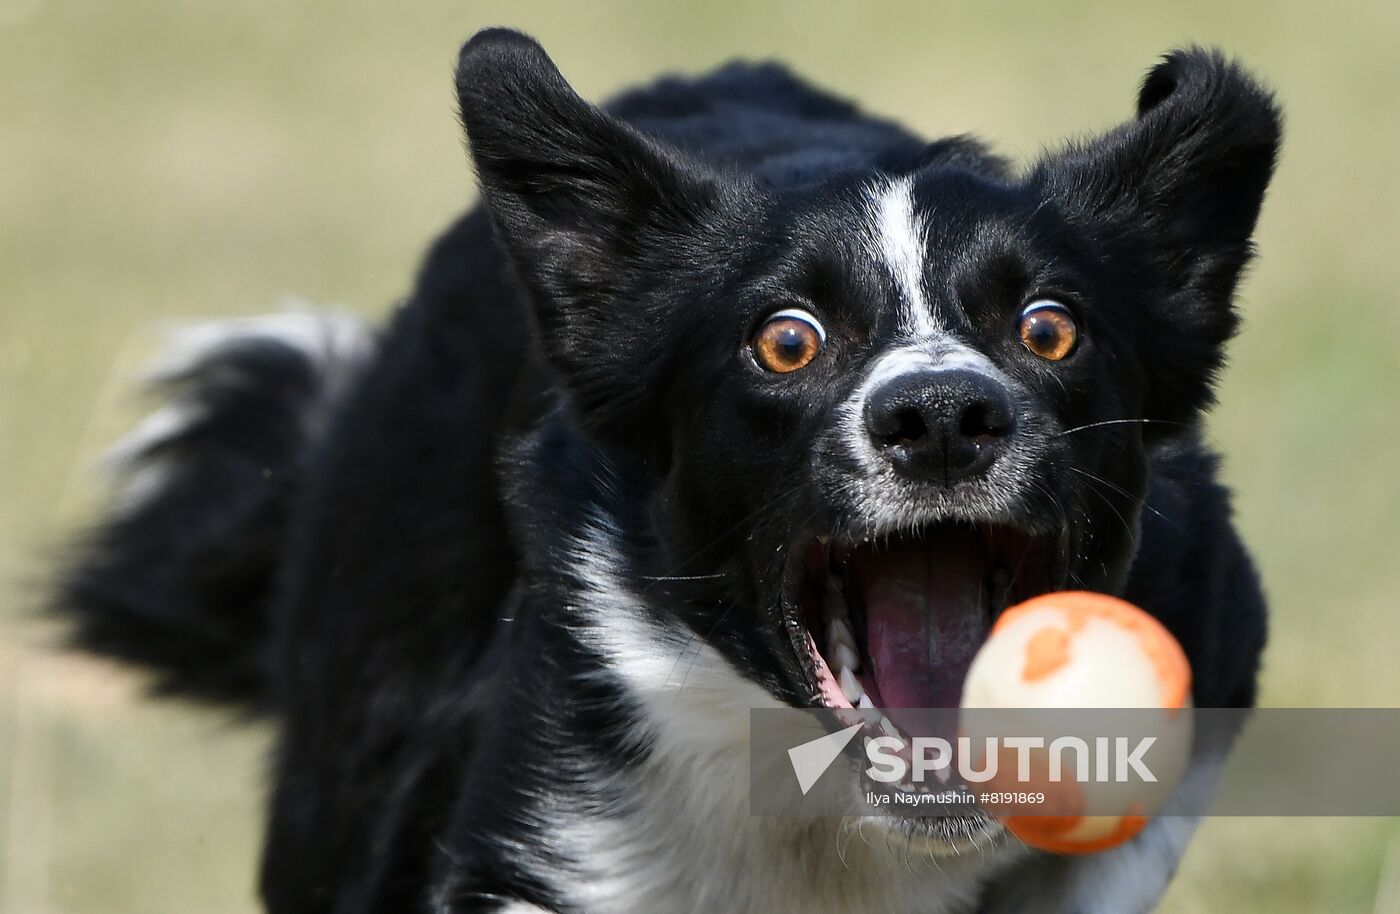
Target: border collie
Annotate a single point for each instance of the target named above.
(510, 573)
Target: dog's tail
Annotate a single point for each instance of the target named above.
(180, 574)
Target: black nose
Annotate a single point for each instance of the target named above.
(943, 426)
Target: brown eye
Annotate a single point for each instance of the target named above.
(1048, 330)
(788, 340)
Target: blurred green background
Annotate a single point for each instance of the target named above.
(163, 159)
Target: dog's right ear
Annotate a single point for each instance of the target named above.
(594, 214)
(1183, 183)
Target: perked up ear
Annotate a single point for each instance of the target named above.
(1182, 184)
(595, 215)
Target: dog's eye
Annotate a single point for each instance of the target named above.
(788, 340)
(1047, 329)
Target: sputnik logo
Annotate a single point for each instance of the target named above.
(811, 759)
(1117, 760)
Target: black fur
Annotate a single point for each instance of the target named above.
(182, 581)
(404, 592)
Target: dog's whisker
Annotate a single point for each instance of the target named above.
(1120, 491)
(683, 577)
(1127, 528)
(1105, 422)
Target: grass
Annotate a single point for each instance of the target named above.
(167, 159)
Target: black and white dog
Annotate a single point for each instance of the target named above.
(509, 575)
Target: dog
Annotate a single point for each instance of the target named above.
(509, 573)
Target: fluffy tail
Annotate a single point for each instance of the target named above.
(180, 574)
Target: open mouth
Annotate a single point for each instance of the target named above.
(890, 624)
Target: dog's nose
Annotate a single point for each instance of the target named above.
(943, 426)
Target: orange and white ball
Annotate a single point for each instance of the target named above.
(1074, 649)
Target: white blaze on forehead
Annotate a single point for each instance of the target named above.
(900, 239)
(892, 364)
(921, 357)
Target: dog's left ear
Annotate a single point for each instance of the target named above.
(601, 221)
(1182, 184)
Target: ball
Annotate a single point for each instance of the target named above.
(1078, 650)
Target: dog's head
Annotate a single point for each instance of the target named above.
(889, 403)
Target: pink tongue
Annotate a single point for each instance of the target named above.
(926, 617)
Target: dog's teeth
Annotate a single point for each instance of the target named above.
(865, 704)
(846, 656)
(823, 540)
(889, 728)
(850, 686)
(838, 631)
